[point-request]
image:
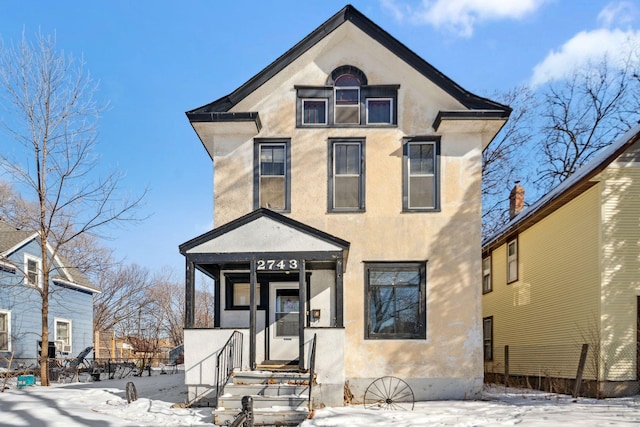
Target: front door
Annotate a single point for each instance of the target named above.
(284, 306)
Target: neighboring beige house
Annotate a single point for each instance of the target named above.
(347, 207)
(565, 272)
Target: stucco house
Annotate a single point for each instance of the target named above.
(565, 272)
(70, 301)
(347, 208)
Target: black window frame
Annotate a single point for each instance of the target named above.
(231, 279)
(366, 91)
(333, 142)
(435, 140)
(420, 266)
(489, 288)
(258, 143)
(487, 343)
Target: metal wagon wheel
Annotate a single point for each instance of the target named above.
(389, 393)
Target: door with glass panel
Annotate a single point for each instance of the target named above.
(284, 307)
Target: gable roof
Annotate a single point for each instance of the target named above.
(11, 239)
(219, 110)
(276, 234)
(568, 190)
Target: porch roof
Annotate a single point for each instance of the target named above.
(263, 232)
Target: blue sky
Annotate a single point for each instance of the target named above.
(154, 60)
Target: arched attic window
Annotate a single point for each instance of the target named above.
(347, 100)
(347, 81)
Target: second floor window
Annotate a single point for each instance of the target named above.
(347, 100)
(272, 175)
(346, 171)
(512, 261)
(314, 111)
(32, 270)
(486, 275)
(421, 175)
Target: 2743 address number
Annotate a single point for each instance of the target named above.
(277, 264)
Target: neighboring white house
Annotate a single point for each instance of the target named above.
(347, 207)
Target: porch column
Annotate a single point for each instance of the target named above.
(252, 315)
(302, 311)
(339, 322)
(189, 294)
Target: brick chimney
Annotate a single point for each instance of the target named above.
(516, 200)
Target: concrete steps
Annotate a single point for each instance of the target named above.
(280, 398)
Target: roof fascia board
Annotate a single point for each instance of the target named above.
(349, 13)
(255, 215)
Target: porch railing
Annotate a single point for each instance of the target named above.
(230, 357)
(312, 368)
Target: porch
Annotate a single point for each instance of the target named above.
(278, 283)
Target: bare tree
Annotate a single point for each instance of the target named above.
(52, 116)
(583, 114)
(505, 160)
(124, 295)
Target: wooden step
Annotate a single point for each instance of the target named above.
(264, 417)
(267, 389)
(270, 377)
(229, 401)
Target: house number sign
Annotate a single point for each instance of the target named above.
(277, 264)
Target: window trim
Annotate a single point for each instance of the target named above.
(258, 142)
(516, 258)
(485, 339)
(422, 303)
(333, 142)
(55, 333)
(435, 140)
(231, 279)
(487, 273)
(38, 261)
(326, 112)
(391, 115)
(8, 331)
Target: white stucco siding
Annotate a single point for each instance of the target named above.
(450, 358)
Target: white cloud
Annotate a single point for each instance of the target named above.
(617, 14)
(587, 46)
(461, 16)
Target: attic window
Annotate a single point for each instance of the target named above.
(347, 98)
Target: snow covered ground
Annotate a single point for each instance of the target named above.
(104, 404)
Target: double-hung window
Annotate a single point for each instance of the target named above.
(63, 335)
(512, 261)
(5, 330)
(272, 175)
(395, 300)
(421, 181)
(487, 337)
(32, 270)
(486, 275)
(346, 175)
(347, 100)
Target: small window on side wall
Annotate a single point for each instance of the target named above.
(5, 330)
(486, 275)
(512, 261)
(487, 337)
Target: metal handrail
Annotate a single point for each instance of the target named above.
(312, 368)
(229, 358)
